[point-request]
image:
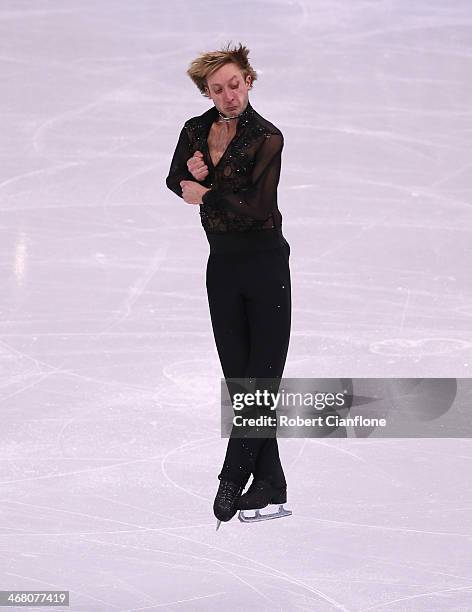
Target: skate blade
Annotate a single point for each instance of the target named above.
(254, 516)
(218, 523)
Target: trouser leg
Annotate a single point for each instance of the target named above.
(250, 307)
(231, 332)
(269, 316)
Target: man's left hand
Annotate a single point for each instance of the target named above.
(192, 192)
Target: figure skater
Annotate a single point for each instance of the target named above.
(227, 162)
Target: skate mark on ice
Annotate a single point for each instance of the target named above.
(274, 572)
(171, 603)
(211, 561)
(191, 444)
(385, 474)
(410, 597)
(42, 582)
(384, 528)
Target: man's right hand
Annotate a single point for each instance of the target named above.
(197, 167)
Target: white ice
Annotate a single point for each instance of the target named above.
(109, 377)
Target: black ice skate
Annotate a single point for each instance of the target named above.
(260, 494)
(224, 506)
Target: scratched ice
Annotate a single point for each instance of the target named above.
(109, 377)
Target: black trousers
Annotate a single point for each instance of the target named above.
(249, 295)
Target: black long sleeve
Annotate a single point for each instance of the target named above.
(259, 198)
(178, 167)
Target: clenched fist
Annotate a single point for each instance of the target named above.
(192, 192)
(197, 167)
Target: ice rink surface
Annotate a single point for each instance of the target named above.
(109, 377)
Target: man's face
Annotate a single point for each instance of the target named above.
(228, 90)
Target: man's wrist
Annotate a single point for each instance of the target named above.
(207, 196)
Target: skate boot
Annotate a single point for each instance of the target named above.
(260, 494)
(224, 506)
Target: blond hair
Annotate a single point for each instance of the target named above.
(208, 63)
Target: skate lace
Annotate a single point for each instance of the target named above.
(228, 491)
